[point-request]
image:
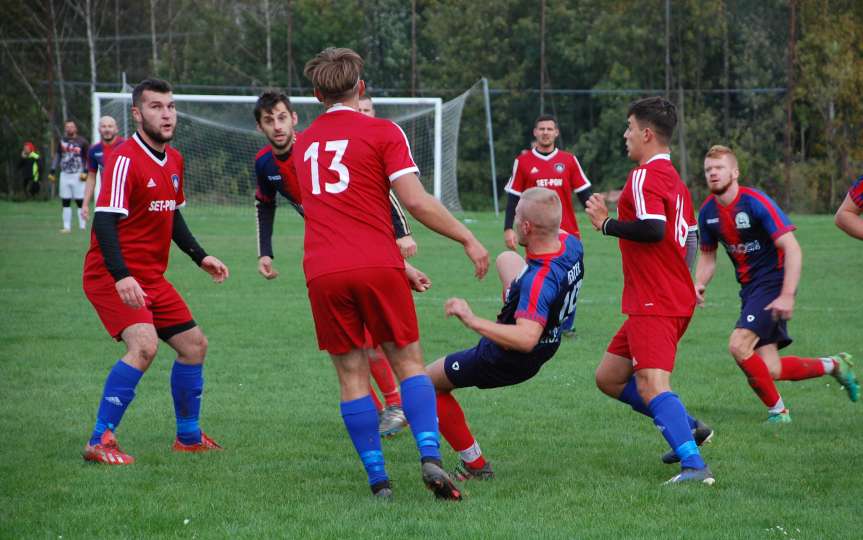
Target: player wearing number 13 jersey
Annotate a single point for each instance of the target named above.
(657, 231)
(346, 165)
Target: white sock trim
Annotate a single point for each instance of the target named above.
(829, 364)
(471, 454)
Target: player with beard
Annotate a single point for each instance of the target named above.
(275, 174)
(137, 216)
(96, 158)
(767, 260)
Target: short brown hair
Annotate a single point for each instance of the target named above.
(717, 151)
(153, 85)
(658, 113)
(335, 72)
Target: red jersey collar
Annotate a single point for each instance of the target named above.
(542, 256)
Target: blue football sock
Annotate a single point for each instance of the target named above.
(361, 420)
(187, 386)
(420, 408)
(631, 397)
(670, 417)
(118, 394)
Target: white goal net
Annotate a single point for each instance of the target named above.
(216, 135)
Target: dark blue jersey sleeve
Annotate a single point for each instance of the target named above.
(771, 217)
(708, 241)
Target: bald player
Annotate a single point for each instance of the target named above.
(539, 296)
(96, 158)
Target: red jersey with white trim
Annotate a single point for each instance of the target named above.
(345, 163)
(146, 191)
(656, 280)
(558, 171)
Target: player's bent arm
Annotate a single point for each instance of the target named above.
(793, 263)
(400, 221)
(521, 336)
(848, 218)
(105, 229)
(182, 236)
(639, 230)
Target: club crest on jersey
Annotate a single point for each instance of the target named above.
(559, 167)
(742, 220)
(176, 181)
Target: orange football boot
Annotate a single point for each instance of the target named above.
(107, 452)
(205, 445)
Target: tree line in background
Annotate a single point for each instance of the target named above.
(781, 81)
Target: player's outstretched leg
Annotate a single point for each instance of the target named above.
(795, 368)
(455, 430)
(118, 393)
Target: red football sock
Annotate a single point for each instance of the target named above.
(795, 368)
(454, 429)
(383, 374)
(760, 380)
(378, 405)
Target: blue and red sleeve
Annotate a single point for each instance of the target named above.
(92, 163)
(856, 192)
(536, 294)
(772, 218)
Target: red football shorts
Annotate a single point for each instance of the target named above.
(649, 341)
(344, 304)
(164, 307)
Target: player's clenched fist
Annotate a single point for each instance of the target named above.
(417, 278)
(265, 268)
(458, 307)
(215, 268)
(596, 210)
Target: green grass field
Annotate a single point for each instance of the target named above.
(569, 461)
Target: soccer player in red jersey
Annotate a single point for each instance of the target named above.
(657, 231)
(274, 174)
(347, 163)
(96, 158)
(767, 260)
(546, 166)
(848, 214)
(136, 217)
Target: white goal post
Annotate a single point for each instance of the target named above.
(221, 129)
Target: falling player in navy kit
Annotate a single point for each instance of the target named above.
(767, 259)
(539, 301)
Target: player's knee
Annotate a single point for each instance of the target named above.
(198, 348)
(604, 383)
(144, 351)
(739, 350)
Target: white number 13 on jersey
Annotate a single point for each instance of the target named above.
(338, 147)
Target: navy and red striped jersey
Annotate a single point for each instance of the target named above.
(274, 176)
(747, 229)
(546, 291)
(856, 192)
